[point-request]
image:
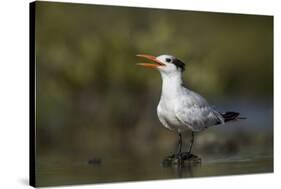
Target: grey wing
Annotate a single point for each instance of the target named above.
(195, 112)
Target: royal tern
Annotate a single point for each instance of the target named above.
(180, 108)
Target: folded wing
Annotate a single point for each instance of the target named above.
(195, 112)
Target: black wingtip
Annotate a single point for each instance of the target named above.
(229, 116)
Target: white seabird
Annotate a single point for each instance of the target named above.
(180, 108)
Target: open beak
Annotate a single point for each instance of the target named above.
(152, 58)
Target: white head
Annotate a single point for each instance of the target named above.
(166, 64)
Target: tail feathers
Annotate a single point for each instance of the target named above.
(229, 116)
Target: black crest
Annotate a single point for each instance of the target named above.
(179, 64)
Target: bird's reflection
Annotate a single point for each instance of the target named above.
(186, 170)
(182, 169)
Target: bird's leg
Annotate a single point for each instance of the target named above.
(178, 154)
(191, 142)
(188, 155)
(179, 144)
(180, 157)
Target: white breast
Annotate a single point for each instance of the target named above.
(167, 114)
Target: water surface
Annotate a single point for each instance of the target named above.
(115, 169)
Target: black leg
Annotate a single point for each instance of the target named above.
(191, 142)
(180, 157)
(180, 144)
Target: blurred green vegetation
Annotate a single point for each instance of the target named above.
(92, 99)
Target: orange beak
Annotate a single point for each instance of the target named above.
(152, 58)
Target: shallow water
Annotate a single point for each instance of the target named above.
(244, 147)
(55, 171)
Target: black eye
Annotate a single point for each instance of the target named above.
(168, 60)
